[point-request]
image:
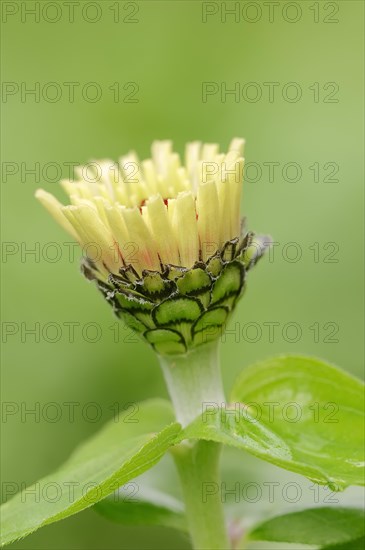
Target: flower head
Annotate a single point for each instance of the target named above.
(155, 212)
(163, 239)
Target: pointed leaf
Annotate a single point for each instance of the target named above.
(298, 413)
(122, 450)
(134, 504)
(316, 409)
(325, 527)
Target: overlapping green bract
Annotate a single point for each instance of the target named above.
(178, 308)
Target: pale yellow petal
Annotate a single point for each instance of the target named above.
(208, 228)
(186, 229)
(233, 176)
(150, 176)
(209, 151)
(54, 207)
(117, 227)
(237, 144)
(145, 254)
(161, 229)
(100, 241)
(161, 151)
(192, 157)
(70, 187)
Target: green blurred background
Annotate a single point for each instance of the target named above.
(169, 51)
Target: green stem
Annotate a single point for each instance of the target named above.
(198, 467)
(193, 381)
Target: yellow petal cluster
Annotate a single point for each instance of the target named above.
(153, 212)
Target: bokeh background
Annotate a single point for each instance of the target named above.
(168, 50)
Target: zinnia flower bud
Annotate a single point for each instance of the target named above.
(164, 241)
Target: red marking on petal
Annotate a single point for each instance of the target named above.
(143, 203)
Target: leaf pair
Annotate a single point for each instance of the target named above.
(298, 413)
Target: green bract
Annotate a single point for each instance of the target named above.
(177, 308)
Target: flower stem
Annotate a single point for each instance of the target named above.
(194, 380)
(198, 467)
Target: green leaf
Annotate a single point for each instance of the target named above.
(336, 528)
(316, 409)
(122, 450)
(327, 448)
(357, 544)
(134, 504)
